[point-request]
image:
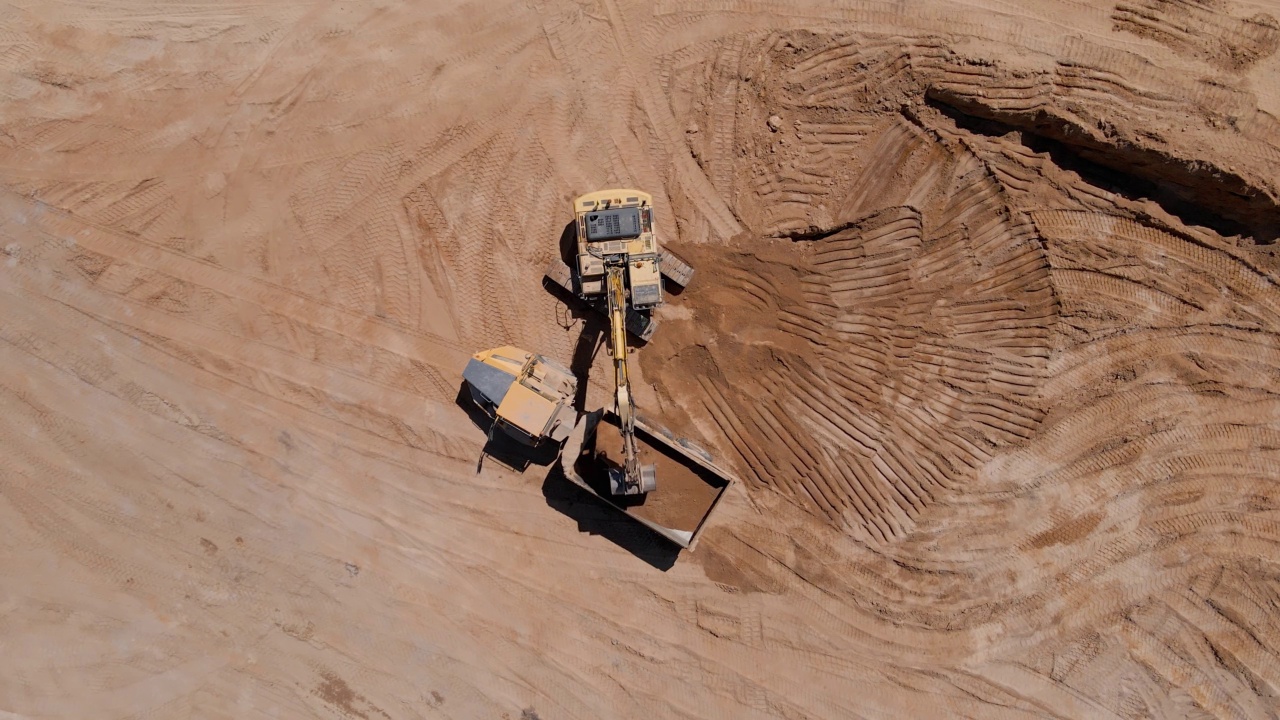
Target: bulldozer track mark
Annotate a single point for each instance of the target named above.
(854, 12)
(1182, 672)
(55, 528)
(1201, 30)
(723, 123)
(268, 360)
(1228, 637)
(1101, 289)
(719, 410)
(917, 389)
(286, 302)
(224, 314)
(1145, 241)
(684, 169)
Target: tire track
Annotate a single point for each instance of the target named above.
(279, 300)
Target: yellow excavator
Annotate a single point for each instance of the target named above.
(619, 261)
(618, 269)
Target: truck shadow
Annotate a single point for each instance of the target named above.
(500, 446)
(595, 517)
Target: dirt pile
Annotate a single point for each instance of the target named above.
(897, 325)
(866, 370)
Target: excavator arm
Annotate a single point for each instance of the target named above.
(634, 479)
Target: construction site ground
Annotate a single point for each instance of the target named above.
(985, 318)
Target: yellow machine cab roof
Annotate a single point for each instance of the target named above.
(618, 197)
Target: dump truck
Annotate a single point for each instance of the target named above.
(529, 396)
(530, 399)
(692, 483)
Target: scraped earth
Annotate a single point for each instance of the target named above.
(986, 320)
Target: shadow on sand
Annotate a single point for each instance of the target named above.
(500, 446)
(594, 516)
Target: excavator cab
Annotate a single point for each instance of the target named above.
(616, 227)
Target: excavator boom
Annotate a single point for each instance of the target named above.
(634, 479)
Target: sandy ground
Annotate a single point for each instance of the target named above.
(986, 319)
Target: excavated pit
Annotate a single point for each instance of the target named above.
(1199, 192)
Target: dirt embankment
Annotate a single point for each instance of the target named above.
(1022, 313)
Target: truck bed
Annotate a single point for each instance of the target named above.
(690, 484)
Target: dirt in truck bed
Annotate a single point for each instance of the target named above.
(685, 492)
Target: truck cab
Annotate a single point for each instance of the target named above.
(529, 396)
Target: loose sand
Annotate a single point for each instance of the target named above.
(987, 319)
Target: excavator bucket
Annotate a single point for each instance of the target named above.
(618, 484)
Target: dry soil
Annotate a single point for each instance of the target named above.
(987, 319)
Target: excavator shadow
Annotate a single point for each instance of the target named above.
(590, 340)
(500, 446)
(569, 242)
(596, 518)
